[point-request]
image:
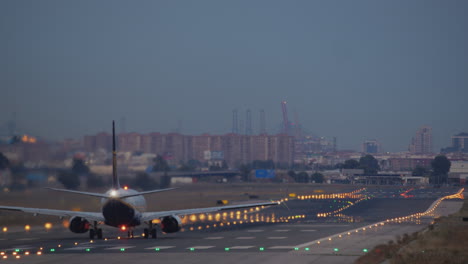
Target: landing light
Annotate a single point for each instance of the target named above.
(113, 193)
(123, 228)
(125, 187)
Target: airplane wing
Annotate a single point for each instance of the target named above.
(91, 216)
(147, 192)
(101, 195)
(148, 216)
(79, 192)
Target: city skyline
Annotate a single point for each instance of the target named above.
(353, 70)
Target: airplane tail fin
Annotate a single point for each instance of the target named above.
(115, 178)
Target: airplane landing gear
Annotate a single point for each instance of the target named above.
(95, 231)
(150, 231)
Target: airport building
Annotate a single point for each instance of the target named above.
(458, 173)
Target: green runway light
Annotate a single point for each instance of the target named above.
(192, 249)
(88, 250)
(17, 250)
(296, 248)
(262, 249)
(307, 249)
(226, 249)
(336, 249)
(157, 249)
(52, 250)
(122, 249)
(365, 250)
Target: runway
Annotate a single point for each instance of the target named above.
(294, 233)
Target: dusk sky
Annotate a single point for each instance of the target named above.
(356, 70)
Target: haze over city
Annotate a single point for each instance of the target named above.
(68, 68)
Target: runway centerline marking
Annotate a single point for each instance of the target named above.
(160, 247)
(78, 248)
(309, 230)
(27, 239)
(282, 230)
(276, 237)
(19, 247)
(120, 247)
(241, 247)
(255, 230)
(282, 247)
(245, 237)
(201, 247)
(213, 237)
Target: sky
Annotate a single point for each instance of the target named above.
(354, 70)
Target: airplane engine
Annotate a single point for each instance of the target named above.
(171, 224)
(78, 225)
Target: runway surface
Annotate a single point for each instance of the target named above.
(281, 230)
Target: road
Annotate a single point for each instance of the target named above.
(282, 233)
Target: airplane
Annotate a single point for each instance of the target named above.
(124, 208)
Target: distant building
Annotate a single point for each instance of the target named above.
(422, 142)
(371, 147)
(234, 148)
(402, 164)
(459, 144)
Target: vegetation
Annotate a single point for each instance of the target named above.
(245, 170)
(317, 177)
(440, 168)
(301, 177)
(160, 164)
(79, 167)
(69, 180)
(4, 162)
(369, 164)
(145, 182)
(351, 164)
(442, 242)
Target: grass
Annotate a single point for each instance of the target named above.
(446, 241)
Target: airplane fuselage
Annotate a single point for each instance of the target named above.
(119, 212)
